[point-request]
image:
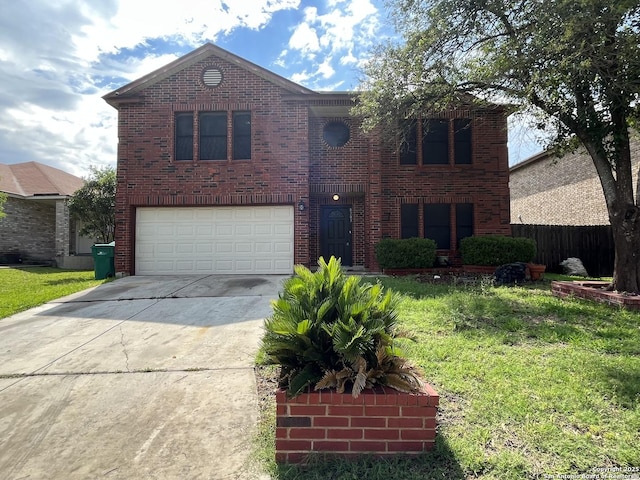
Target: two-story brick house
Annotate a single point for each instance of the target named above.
(226, 167)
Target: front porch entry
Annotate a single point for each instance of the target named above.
(336, 233)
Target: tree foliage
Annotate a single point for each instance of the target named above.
(95, 205)
(575, 64)
(3, 199)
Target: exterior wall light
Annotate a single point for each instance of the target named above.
(301, 205)
(336, 197)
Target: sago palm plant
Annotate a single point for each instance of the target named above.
(330, 330)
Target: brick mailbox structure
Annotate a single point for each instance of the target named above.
(381, 421)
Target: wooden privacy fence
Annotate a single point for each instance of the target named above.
(591, 244)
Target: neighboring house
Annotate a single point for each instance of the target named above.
(546, 190)
(37, 227)
(225, 167)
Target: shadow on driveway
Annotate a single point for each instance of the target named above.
(143, 377)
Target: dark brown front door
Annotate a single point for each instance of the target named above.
(335, 233)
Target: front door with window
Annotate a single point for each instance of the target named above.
(335, 233)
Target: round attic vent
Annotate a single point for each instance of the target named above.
(212, 77)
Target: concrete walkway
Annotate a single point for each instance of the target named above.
(141, 378)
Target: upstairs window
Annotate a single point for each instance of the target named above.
(429, 141)
(184, 136)
(435, 142)
(462, 141)
(213, 135)
(409, 143)
(241, 135)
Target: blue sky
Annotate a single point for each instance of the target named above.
(59, 57)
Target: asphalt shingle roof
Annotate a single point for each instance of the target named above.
(31, 179)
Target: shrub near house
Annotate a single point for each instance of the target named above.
(495, 250)
(408, 253)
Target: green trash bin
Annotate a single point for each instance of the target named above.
(104, 266)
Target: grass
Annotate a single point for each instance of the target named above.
(24, 288)
(531, 386)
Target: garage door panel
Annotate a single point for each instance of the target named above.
(263, 247)
(223, 214)
(204, 215)
(282, 247)
(184, 248)
(204, 249)
(240, 240)
(243, 230)
(263, 229)
(184, 266)
(185, 230)
(204, 230)
(281, 214)
(225, 229)
(162, 248)
(264, 265)
(164, 215)
(280, 265)
(244, 266)
(282, 229)
(244, 214)
(224, 247)
(204, 266)
(244, 248)
(146, 229)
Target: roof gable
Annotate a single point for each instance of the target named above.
(130, 90)
(32, 179)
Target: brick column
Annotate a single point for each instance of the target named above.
(373, 201)
(62, 229)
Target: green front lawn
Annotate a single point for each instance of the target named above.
(24, 288)
(530, 386)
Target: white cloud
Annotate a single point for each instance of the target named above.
(325, 69)
(188, 21)
(348, 59)
(339, 36)
(57, 59)
(301, 77)
(305, 39)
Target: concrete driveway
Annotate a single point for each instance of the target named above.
(144, 377)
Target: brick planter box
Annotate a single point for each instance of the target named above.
(479, 269)
(595, 290)
(379, 422)
(419, 271)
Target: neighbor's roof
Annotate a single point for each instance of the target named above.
(33, 179)
(533, 159)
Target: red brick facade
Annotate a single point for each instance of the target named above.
(290, 162)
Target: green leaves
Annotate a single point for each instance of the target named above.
(328, 329)
(303, 327)
(3, 199)
(95, 205)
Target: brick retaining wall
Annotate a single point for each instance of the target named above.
(595, 290)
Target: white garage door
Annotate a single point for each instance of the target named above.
(203, 240)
